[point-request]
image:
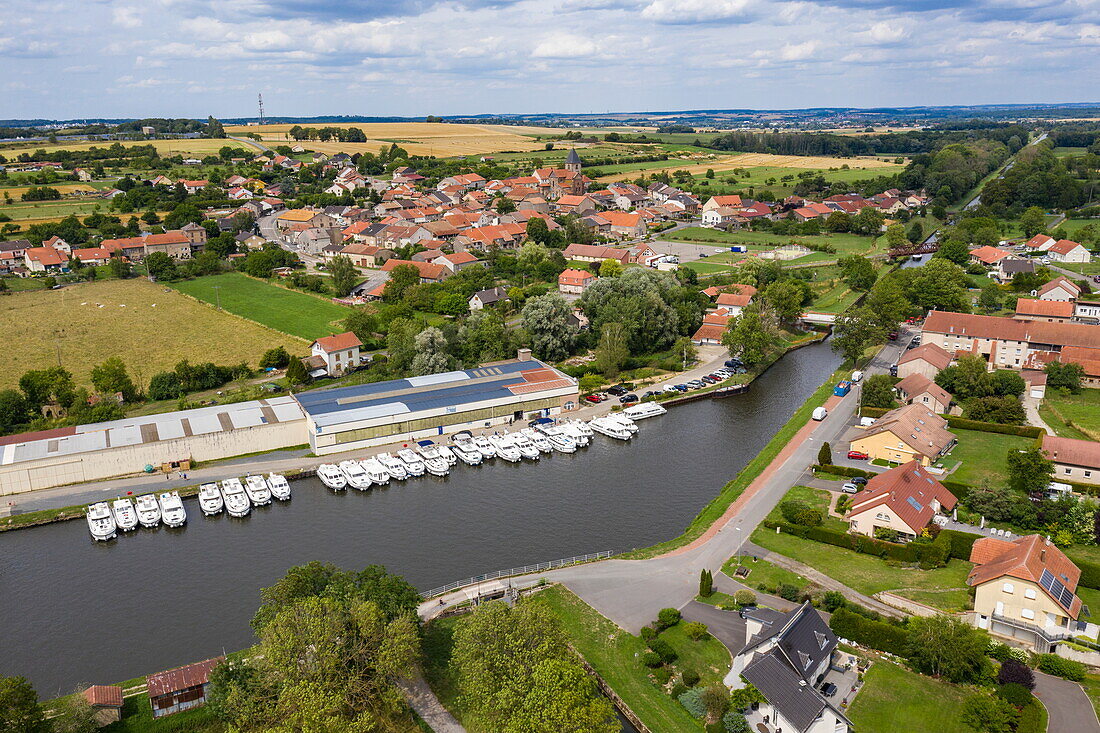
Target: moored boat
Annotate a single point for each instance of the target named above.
(257, 490)
(236, 500)
(210, 499)
(148, 510)
(125, 516)
(376, 472)
(643, 410)
(467, 452)
(538, 440)
(413, 462)
(486, 446)
(437, 466)
(332, 477)
(172, 512)
(355, 474)
(610, 428)
(524, 445)
(504, 448)
(394, 466)
(620, 419)
(101, 523)
(280, 487)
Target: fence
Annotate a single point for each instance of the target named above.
(523, 570)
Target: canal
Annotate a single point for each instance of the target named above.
(72, 611)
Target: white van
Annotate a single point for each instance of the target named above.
(857, 376)
(820, 414)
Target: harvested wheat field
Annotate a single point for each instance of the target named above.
(149, 326)
(419, 138)
(16, 192)
(199, 146)
(764, 160)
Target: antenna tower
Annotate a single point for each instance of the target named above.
(261, 108)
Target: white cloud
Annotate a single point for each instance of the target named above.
(125, 17)
(564, 46)
(695, 11)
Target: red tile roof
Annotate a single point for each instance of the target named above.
(908, 490)
(574, 277)
(974, 326)
(1085, 453)
(1025, 558)
(339, 342)
(104, 696)
(1044, 308)
(428, 270)
(989, 255)
(930, 353)
(46, 256)
(1038, 241)
(917, 384)
(1063, 246)
(1060, 281)
(181, 678)
(733, 299)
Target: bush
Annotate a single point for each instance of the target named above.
(715, 727)
(735, 722)
(1015, 694)
(689, 677)
(662, 675)
(651, 659)
(695, 630)
(663, 650)
(648, 633)
(276, 358)
(667, 618)
(677, 689)
(1090, 573)
(716, 698)
(800, 512)
(744, 597)
(788, 591)
(832, 600)
(879, 635)
(692, 700)
(989, 714)
(1059, 667)
(961, 423)
(1015, 673)
(743, 698)
(1031, 719)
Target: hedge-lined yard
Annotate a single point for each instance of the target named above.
(895, 699)
(983, 456)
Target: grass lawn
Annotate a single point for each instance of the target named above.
(1073, 415)
(1090, 597)
(943, 588)
(613, 653)
(845, 244)
(764, 573)
(1092, 689)
(149, 326)
(17, 284)
(438, 644)
(289, 311)
(983, 455)
(137, 717)
(817, 498)
(895, 699)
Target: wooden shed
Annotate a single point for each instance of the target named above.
(181, 688)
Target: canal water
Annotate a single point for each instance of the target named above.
(73, 611)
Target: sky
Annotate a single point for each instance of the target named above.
(67, 59)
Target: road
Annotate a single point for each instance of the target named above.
(251, 143)
(1068, 707)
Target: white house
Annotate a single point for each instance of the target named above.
(1066, 250)
(483, 298)
(335, 354)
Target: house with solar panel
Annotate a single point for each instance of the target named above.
(500, 393)
(898, 504)
(1025, 589)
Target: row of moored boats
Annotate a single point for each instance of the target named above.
(232, 495)
(543, 437)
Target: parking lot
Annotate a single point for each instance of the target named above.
(689, 252)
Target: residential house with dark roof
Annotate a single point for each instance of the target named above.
(786, 657)
(899, 502)
(1009, 267)
(485, 298)
(1025, 590)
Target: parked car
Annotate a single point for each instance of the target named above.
(651, 393)
(595, 399)
(857, 455)
(618, 390)
(718, 250)
(735, 362)
(696, 384)
(859, 481)
(628, 398)
(828, 689)
(671, 388)
(708, 379)
(849, 488)
(893, 335)
(893, 370)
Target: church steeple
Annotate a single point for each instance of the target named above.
(573, 161)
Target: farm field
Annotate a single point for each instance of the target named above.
(149, 326)
(203, 146)
(38, 212)
(419, 138)
(865, 167)
(17, 191)
(845, 244)
(289, 311)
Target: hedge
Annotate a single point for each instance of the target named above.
(1060, 667)
(961, 423)
(928, 554)
(879, 635)
(843, 470)
(1090, 573)
(959, 543)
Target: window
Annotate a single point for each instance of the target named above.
(1088, 474)
(1027, 613)
(1008, 588)
(1068, 471)
(1029, 593)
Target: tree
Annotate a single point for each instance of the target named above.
(895, 236)
(1016, 673)
(214, 128)
(1007, 382)
(14, 410)
(1033, 221)
(401, 345)
(611, 268)
(74, 714)
(1067, 375)
(825, 454)
(747, 338)
(990, 297)
(19, 708)
(537, 230)
(111, 377)
(966, 378)
(276, 358)
(344, 275)
(940, 284)
(858, 272)
(944, 646)
(955, 250)
(1005, 410)
(1029, 470)
(362, 323)
(504, 205)
(548, 321)
(706, 583)
(878, 391)
(402, 277)
(915, 233)
(43, 386)
(120, 268)
(161, 266)
(888, 302)
(612, 351)
(295, 373)
(855, 330)
(785, 298)
(562, 697)
(999, 503)
(989, 714)
(431, 352)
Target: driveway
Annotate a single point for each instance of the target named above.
(726, 626)
(1068, 707)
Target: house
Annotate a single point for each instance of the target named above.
(484, 298)
(175, 244)
(1025, 589)
(82, 174)
(247, 241)
(626, 225)
(1066, 250)
(59, 244)
(712, 330)
(1060, 288)
(910, 432)
(899, 503)
(579, 205)
(927, 359)
(1074, 460)
(181, 688)
(733, 303)
(366, 255)
(595, 253)
(92, 255)
(989, 256)
(1040, 243)
(787, 657)
(1009, 267)
(106, 703)
(339, 353)
(1007, 343)
(723, 217)
(45, 259)
(459, 261)
(1051, 311)
(193, 187)
(429, 271)
(1086, 311)
(195, 233)
(919, 389)
(575, 281)
(718, 202)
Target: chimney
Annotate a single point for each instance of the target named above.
(1043, 555)
(523, 355)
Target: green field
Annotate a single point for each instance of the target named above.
(1073, 415)
(295, 313)
(895, 699)
(983, 456)
(20, 212)
(845, 244)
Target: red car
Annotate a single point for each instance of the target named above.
(893, 335)
(856, 455)
(593, 398)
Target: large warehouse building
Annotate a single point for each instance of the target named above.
(365, 415)
(98, 451)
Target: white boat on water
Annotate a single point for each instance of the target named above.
(210, 500)
(376, 472)
(394, 466)
(559, 439)
(505, 449)
(447, 453)
(467, 452)
(524, 445)
(332, 477)
(437, 466)
(236, 500)
(571, 429)
(148, 510)
(610, 428)
(101, 523)
(171, 509)
(355, 474)
(257, 490)
(412, 462)
(280, 487)
(125, 516)
(643, 410)
(427, 449)
(487, 448)
(537, 439)
(623, 420)
(580, 427)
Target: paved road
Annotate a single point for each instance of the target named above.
(428, 706)
(1068, 707)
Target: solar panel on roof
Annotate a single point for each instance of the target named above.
(1057, 589)
(914, 503)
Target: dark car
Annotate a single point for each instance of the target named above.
(681, 387)
(732, 363)
(893, 335)
(893, 370)
(708, 379)
(626, 399)
(617, 390)
(651, 393)
(859, 481)
(828, 689)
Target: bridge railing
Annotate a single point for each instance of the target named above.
(522, 570)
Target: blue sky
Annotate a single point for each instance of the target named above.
(135, 58)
